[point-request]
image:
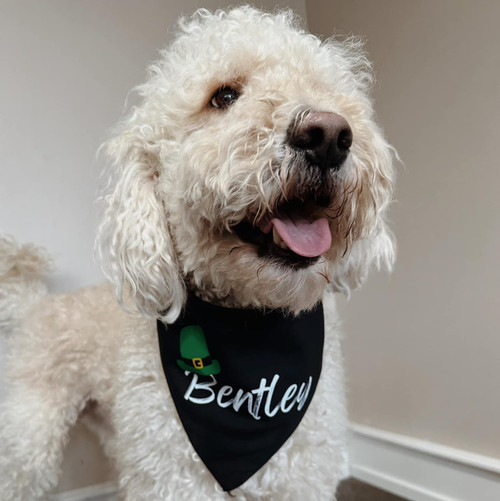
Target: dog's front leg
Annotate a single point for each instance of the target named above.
(153, 457)
(34, 425)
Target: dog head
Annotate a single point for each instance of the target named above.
(252, 173)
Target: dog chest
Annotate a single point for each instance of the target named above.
(241, 381)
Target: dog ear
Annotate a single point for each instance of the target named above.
(134, 242)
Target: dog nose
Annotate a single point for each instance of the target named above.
(324, 136)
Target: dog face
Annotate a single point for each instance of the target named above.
(252, 173)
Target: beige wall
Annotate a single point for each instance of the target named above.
(423, 346)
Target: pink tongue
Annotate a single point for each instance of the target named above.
(304, 237)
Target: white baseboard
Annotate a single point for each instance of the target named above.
(99, 492)
(419, 470)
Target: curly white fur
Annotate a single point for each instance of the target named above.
(183, 176)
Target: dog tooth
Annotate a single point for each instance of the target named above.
(276, 237)
(278, 240)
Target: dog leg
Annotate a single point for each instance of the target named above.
(34, 425)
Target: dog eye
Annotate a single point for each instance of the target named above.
(224, 98)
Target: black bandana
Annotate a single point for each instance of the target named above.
(241, 380)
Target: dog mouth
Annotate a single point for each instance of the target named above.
(295, 234)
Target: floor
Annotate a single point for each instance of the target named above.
(349, 490)
(355, 490)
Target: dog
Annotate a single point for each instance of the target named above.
(252, 177)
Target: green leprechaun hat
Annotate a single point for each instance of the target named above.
(195, 356)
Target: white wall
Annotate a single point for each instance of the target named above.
(423, 346)
(67, 66)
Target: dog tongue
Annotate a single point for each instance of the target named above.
(303, 236)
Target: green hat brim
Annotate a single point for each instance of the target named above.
(208, 370)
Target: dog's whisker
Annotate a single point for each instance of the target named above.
(325, 276)
(235, 248)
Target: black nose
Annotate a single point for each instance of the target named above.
(324, 136)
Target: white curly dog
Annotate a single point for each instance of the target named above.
(252, 175)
